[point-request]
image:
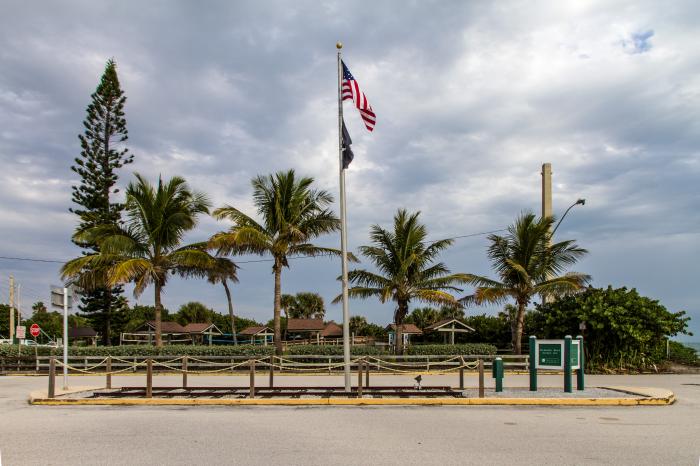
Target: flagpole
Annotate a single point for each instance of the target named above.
(343, 231)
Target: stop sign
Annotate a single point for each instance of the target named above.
(34, 330)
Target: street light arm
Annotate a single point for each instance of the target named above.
(579, 201)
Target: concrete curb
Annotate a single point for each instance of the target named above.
(651, 397)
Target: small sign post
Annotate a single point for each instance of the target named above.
(582, 363)
(533, 363)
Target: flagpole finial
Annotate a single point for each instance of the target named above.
(339, 45)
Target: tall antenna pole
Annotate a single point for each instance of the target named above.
(343, 229)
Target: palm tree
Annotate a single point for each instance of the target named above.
(147, 249)
(293, 214)
(222, 271)
(406, 269)
(423, 317)
(528, 264)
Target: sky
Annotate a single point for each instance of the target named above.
(471, 98)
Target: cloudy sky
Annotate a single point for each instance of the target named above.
(471, 98)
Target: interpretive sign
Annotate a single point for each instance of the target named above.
(550, 354)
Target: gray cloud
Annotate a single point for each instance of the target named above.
(471, 99)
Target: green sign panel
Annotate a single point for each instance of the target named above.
(574, 354)
(550, 355)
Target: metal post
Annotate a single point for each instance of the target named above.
(461, 378)
(567, 364)
(343, 231)
(252, 378)
(498, 373)
(184, 372)
(272, 371)
(533, 363)
(52, 377)
(481, 378)
(580, 373)
(149, 378)
(108, 381)
(359, 379)
(65, 338)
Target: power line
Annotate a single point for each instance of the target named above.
(252, 261)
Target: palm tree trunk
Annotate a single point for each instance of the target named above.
(159, 337)
(519, 324)
(230, 311)
(399, 316)
(277, 306)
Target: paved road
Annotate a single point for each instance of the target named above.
(351, 435)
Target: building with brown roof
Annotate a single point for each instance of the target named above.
(257, 334)
(406, 330)
(332, 330)
(82, 335)
(202, 333)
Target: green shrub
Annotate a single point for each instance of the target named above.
(624, 330)
(452, 350)
(680, 353)
(143, 350)
(325, 350)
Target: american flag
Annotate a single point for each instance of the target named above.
(351, 91)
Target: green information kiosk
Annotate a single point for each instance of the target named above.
(559, 355)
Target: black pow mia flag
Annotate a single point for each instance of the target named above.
(347, 151)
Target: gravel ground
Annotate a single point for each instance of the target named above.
(517, 392)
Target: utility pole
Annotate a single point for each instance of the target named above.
(12, 309)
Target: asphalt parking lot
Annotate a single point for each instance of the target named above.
(351, 435)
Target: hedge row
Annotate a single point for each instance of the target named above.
(324, 350)
(245, 350)
(144, 350)
(452, 350)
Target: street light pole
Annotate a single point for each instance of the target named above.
(579, 201)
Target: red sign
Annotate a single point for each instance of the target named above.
(34, 330)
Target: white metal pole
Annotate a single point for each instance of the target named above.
(65, 338)
(343, 231)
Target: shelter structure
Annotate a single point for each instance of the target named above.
(202, 333)
(171, 332)
(332, 330)
(82, 335)
(448, 327)
(258, 334)
(406, 329)
(305, 329)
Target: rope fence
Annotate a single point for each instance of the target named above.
(186, 365)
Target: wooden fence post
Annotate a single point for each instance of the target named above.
(108, 381)
(184, 372)
(481, 378)
(359, 378)
(367, 374)
(149, 378)
(272, 371)
(52, 377)
(252, 378)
